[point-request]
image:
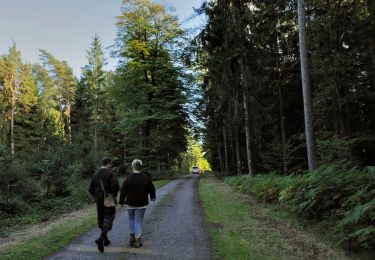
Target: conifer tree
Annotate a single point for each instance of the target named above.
(149, 88)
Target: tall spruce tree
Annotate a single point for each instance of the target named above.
(93, 84)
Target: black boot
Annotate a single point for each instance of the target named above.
(106, 241)
(132, 239)
(101, 244)
(138, 243)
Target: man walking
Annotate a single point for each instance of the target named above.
(104, 187)
(135, 191)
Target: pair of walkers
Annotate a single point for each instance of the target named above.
(136, 188)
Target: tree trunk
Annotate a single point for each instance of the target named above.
(218, 144)
(309, 127)
(12, 112)
(284, 143)
(371, 10)
(95, 141)
(13, 87)
(68, 118)
(250, 165)
(232, 151)
(226, 168)
(236, 137)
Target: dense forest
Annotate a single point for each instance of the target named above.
(238, 79)
(249, 62)
(55, 127)
(250, 53)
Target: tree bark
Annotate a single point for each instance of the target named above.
(226, 167)
(284, 143)
(14, 85)
(309, 127)
(12, 113)
(244, 84)
(232, 151)
(220, 156)
(236, 137)
(68, 119)
(247, 132)
(371, 10)
(95, 141)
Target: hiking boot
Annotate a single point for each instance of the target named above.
(132, 239)
(138, 243)
(101, 244)
(106, 242)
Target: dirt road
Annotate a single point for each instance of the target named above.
(173, 229)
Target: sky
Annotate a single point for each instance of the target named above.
(65, 27)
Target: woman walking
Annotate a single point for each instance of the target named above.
(135, 191)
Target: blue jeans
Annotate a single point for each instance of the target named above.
(135, 221)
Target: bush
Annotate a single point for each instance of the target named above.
(16, 189)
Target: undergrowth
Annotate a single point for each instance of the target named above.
(340, 195)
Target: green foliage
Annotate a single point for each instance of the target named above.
(342, 195)
(251, 47)
(17, 190)
(149, 90)
(194, 156)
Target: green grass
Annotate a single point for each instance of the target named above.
(240, 229)
(161, 183)
(58, 237)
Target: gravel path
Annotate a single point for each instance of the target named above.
(173, 229)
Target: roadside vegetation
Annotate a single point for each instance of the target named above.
(241, 229)
(340, 198)
(254, 105)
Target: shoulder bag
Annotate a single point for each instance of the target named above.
(109, 201)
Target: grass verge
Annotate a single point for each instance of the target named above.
(161, 183)
(68, 228)
(240, 229)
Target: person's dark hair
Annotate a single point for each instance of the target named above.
(106, 161)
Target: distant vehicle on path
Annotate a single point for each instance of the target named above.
(195, 170)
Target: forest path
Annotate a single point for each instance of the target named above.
(173, 229)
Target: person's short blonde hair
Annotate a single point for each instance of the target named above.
(137, 165)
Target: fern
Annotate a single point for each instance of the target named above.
(341, 194)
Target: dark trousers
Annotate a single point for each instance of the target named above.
(105, 218)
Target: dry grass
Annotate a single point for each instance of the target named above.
(42, 229)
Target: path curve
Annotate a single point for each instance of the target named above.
(173, 229)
